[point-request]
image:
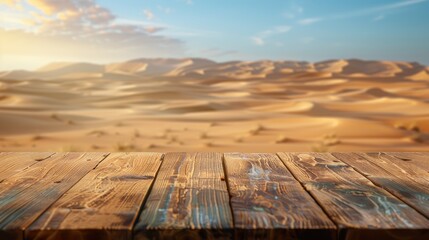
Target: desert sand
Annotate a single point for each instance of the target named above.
(201, 105)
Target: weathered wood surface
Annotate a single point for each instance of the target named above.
(419, 159)
(268, 202)
(12, 163)
(406, 181)
(189, 200)
(360, 208)
(214, 196)
(25, 195)
(108, 199)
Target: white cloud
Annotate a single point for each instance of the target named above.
(148, 14)
(379, 10)
(125, 21)
(401, 4)
(275, 30)
(308, 21)
(258, 41)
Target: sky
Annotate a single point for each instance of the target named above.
(36, 32)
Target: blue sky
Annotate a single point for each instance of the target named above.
(112, 30)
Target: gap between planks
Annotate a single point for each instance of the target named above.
(311, 195)
(117, 176)
(147, 195)
(227, 185)
(17, 215)
(228, 188)
(384, 179)
(25, 237)
(332, 181)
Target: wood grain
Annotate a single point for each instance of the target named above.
(208, 196)
(25, 195)
(189, 200)
(269, 203)
(360, 208)
(12, 162)
(420, 159)
(102, 205)
(406, 181)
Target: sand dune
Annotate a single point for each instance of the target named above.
(421, 75)
(201, 105)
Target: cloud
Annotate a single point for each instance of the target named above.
(53, 6)
(258, 41)
(275, 30)
(148, 14)
(68, 13)
(82, 29)
(399, 4)
(16, 4)
(8, 2)
(98, 47)
(79, 18)
(308, 21)
(379, 10)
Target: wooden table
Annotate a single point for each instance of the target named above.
(214, 196)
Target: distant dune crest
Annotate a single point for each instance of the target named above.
(196, 67)
(201, 105)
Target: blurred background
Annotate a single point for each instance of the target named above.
(193, 75)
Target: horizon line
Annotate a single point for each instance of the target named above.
(217, 62)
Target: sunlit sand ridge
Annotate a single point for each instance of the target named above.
(201, 105)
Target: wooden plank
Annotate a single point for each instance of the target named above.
(14, 162)
(189, 200)
(102, 205)
(269, 203)
(360, 208)
(25, 195)
(420, 159)
(406, 181)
